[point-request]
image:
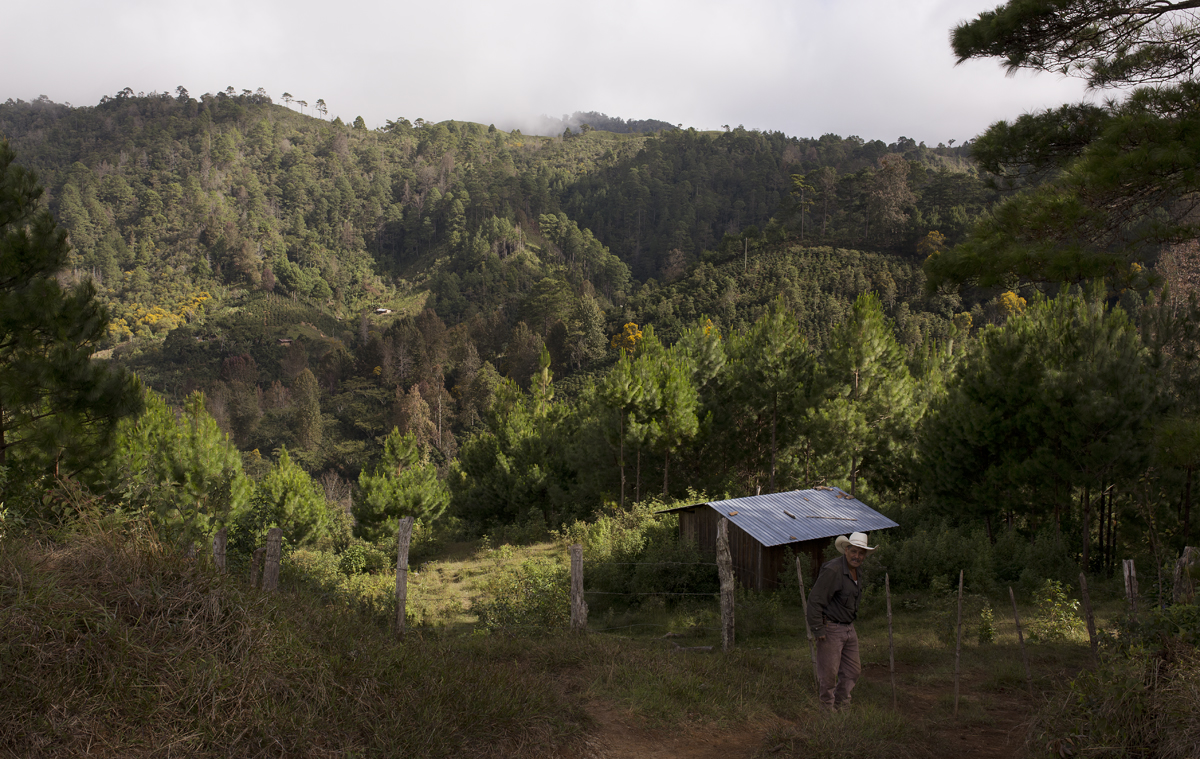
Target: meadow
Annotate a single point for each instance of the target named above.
(115, 644)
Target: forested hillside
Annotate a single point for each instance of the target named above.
(224, 316)
(240, 246)
(483, 328)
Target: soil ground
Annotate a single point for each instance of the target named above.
(991, 724)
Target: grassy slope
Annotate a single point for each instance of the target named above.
(113, 644)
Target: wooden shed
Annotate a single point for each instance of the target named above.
(763, 527)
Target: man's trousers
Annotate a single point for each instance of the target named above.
(838, 666)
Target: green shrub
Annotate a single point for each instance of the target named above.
(1132, 704)
(1154, 627)
(758, 612)
(943, 601)
(535, 594)
(353, 560)
(1057, 615)
(938, 551)
(1048, 557)
(636, 554)
(362, 558)
(531, 529)
(915, 557)
(325, 573)
(987, 625)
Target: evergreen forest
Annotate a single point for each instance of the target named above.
(233, 312)
(483, 329)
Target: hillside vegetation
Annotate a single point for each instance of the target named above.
(229, 230)
(224, 314)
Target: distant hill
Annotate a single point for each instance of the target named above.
(237, 242)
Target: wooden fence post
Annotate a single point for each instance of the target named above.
(1131, 588)
(219, 542)
(887, 589)
(274, 555)
(1021, 640)
(1091, 619)
(725, 570)
(812, 651)
(579, 607)
(958, 643)
(256, 565)
(1184, 590)
(403, 540)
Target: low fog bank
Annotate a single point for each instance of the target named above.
(548, 126)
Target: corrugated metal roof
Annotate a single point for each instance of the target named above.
(778, 518)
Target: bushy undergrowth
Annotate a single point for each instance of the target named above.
(339, 579)
(1057, 616)
(635, 556)
(977, 619)
(117, 645)
(1179, 624)
(937, 551)
(1141, 703)
(534, 595)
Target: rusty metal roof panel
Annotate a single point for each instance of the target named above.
(779, 518)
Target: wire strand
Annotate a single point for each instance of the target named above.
(647, 593)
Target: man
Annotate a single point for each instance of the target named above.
(832, 609)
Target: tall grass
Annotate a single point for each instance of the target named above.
(114, 644)
(1142, 700)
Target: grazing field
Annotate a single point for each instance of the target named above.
(114, 644)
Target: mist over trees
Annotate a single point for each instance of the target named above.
(580, 121)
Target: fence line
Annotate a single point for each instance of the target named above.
(650, 624)
(649, 593)
(660, 563)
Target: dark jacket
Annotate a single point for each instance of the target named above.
(834, 597)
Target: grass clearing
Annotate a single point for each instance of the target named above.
(115, 644)
(868, 731)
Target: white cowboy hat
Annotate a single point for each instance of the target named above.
(856, 539)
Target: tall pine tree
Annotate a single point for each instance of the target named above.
(58, 406)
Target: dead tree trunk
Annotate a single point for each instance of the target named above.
(579, 607)
(403, 540)
(725, 570)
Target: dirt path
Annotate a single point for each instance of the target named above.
(616, 739)
(993, 727)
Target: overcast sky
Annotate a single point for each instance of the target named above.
(876, 68)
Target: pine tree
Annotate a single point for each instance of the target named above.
(1063, 396)
(58, 407)
(183, 468)
(619, 391)
(307, 398)
(286, 498)
(1101, 187)
(869, 412)
(404, 484)
(774, 372)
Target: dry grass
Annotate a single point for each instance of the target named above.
(862, 731)
(114, 645)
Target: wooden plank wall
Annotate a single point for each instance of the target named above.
(756, 567)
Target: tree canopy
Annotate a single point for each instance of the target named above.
(1110, 43)
(58, 406)
(1099, 188)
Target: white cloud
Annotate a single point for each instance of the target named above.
(807, 67)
